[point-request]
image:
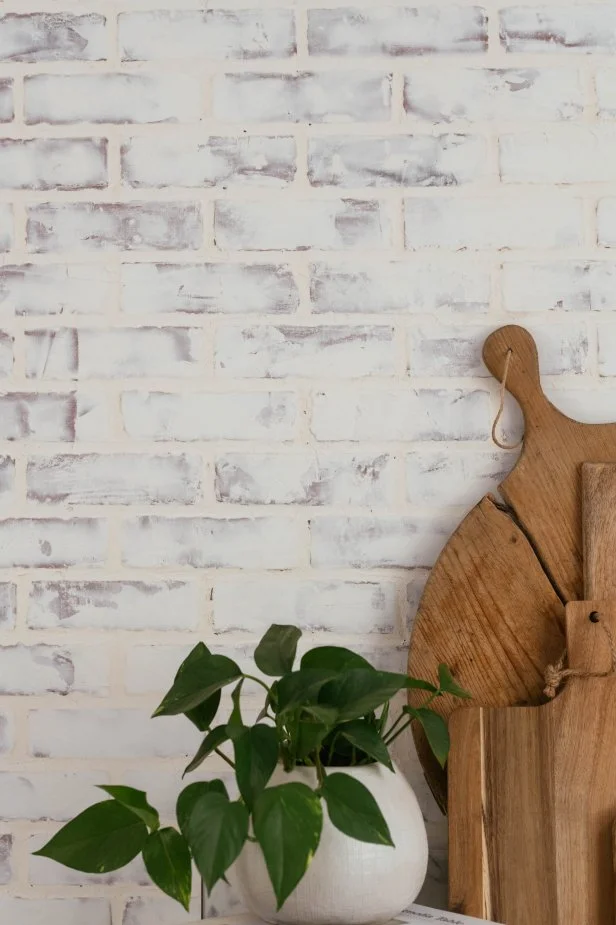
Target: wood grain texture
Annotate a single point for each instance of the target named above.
(491, 614)
(599, 529)
(544, 488)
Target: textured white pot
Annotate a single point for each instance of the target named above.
(348, 882)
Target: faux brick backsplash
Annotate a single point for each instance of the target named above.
(248, 257)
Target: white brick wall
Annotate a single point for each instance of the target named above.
(248, 257)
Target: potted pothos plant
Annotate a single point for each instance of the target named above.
(313, 772)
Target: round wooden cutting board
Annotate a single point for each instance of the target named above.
(493, 607)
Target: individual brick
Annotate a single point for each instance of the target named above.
(276, 352)
(377, 542)
(447, 94)
(107, 733)
(6, 851)
(400, 287)
(606, 221)
(207, 288)
(253, 160)
(396, 31)
(7, 732)
(346, 96)
(209, 542)
(90, 353)
(123, 605)
(7, 482)
(51, 542)
(243, 35)
(53, 163)
(543, 221)
(438, 477)
(607, 351)
(453, 350)
(6, 354)
(8, 607)
(119, 478)
(587, 29)
(38, 416)
(605, 82)
(563, 154)
(401, 414)
(43, 795)
(52, 37)
(162, 910)
(415, 160)
(31, 911)
(60, 99)
(55, 289)
(338, 224)
(565, 285)
(365, 479)
(346, 607)
(48, 669)
(6, 100)
(210, 415)
(6, 227)
(119, 226)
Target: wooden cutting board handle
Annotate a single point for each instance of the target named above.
(523, 380)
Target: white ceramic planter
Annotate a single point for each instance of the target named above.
(348, 882)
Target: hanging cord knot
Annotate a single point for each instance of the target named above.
(501, 407)
(556, 674)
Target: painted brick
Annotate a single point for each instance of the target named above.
(7, 481)
(215, 161)
(605, 82)
(606, 221)
(6, 850)
(486, 94)
(400, 287)
(6, 354)
(125, 605)
(52, 37)
(575, 286)
(586, 29)
(437, 477)
(53, 163)
(93, 420)
(571, 154)
(7, 732)
(210, 416)
(6, 227)
(401, 414)
(54, 911)
(6, 100)
(150, 669)
(60, 99)
(208, 542)
(416, 160)
(306, 478)
(277, 352)
(127, 478)
(55, 289)
(453, 350)
(397, 30)
(117, 226)
(377, 542)
(158, 911)
(346, 96)
(207, 288)
(42, 416)
(52, 543)
(594, 405)
(354, 607)
(546, 220)
(71, 353)
(207, 34)
(43, 795)
(46, 669)
(82, 733)
(8, 606)
(607, 351)
(339, 224)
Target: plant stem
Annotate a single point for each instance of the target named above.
(224, 757)
(251, 677)
(320, 771)
(399, 732)
(393, 726)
